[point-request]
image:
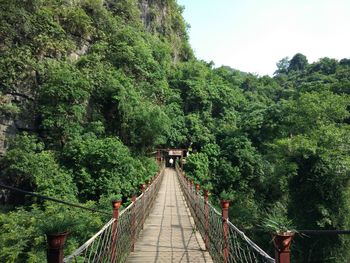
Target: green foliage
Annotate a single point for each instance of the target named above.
(21, 239)
(57, 223)
(117, 197)
(276, 220)
(312, 110)
(320, 160)
(102, 167)
(76, 22)
(227, 195)
(23, 230)
(197, 168)
(63, 99)
(198, 133)
(298, 63)
(97, 114)
(7, 108)
(282, 66)
(280, 139)
(136, 86)
(16, 67)
(28, 166)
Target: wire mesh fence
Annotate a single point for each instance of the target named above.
(224, 241)
(116, 239)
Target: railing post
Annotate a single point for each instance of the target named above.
(224, 208)
(206, 208)
(143, 205)
(282, 243)
(55, 247)
(116, 205)
(184, 183)
(181, 160)
(133, 223)
(158, 158)
(197, 204)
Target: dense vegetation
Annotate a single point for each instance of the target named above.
(108, 87)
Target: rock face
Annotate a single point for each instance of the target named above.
(158, 18)
(7, 129)
(153, 15)
(163, 18)
(24, 96)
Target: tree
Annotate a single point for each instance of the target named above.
(318, 178)
(282, 66)
(298, 63)
(63, 99)
(28, 166)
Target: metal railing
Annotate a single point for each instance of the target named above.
(116, 239)
(224, 241)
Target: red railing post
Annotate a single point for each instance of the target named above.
(158, 157)
(181, 160)
(206, 208)
(133, 223)
(224, 208)
(143, 205)
(185, 184)
(282, 243)
(197, 204)
(116, 205)
(55, 247)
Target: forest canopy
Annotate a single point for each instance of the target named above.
(94, 87)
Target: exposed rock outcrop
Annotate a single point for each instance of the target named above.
(23, 95)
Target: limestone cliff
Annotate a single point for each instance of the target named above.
(33, 31)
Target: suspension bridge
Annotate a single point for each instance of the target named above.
(171, 221)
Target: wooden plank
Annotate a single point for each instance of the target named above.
(169, 234)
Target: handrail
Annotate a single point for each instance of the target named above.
(115, 240)
(224, 241)
(88, 243)
(250, 242)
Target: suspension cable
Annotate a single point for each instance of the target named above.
(53, 199)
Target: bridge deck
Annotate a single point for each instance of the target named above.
(168, 234)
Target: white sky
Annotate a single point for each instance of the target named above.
(252, 35)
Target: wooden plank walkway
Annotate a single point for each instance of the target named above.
(169, 234)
